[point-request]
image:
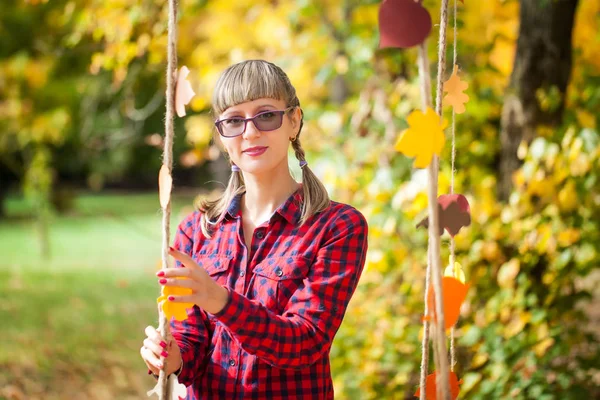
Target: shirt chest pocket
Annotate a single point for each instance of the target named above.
(217, 267)
(276, 279)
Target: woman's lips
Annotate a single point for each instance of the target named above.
(255, 151)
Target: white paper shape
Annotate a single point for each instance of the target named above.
(183, 91)
(178, 390)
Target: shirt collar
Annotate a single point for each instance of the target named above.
(290, 210)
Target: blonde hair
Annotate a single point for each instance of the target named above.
(246, 81)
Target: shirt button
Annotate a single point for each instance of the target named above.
(242, 273)
(232, 363)
(279, 272)
(260, 234)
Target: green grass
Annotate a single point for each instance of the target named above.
(73, 324)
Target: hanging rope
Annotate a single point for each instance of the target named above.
(452, 242)
(163, 325)
(434, 270)
(425, 79)
(442, 376)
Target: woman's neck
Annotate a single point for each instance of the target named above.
(264, 194)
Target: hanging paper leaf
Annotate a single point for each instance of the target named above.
(456, 210)
(454, 87)
(178, 390)
(183, 92)
(454, 213)
(165, 184)
(173, 309)
(424, 137)
(455, 272)
(431, 388)
(403, 23)
(454, 293)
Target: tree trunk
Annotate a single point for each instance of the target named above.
(542, 67)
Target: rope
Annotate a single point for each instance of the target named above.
(452, 172)
(425, 80)
(163, 325)
(442, 376)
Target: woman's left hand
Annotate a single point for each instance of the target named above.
(206, 293)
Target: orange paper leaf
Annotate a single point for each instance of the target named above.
(172, 309)
(454, 88)
(431, 388)
(424, 137)
(183, 92)
(454, 293)
(165, 183)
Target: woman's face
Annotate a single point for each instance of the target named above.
(258, 151)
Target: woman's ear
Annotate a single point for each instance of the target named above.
(296, 119)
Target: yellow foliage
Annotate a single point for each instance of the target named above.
(517, 324)
(568, 198)
(568, 237)
(508, 272)
(200, 130)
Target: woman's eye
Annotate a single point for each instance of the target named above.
(233, 122)
(267, 115)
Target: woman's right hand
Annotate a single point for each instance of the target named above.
(156, 347)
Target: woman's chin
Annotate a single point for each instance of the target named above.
(257, 168)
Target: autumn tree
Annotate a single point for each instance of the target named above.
(538, 83)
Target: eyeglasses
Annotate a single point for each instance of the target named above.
(263, 121)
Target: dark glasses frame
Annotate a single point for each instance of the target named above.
(279, 112)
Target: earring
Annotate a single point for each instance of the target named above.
(293, 139)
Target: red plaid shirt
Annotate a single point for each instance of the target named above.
(287, 296)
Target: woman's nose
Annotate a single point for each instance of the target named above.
(251, 130)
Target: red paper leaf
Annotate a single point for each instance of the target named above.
(403, 23)
(454, 293)
(453, 214)
(431, 388)
(165, 183)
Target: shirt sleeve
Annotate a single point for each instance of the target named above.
(192, 335)
(306, 328)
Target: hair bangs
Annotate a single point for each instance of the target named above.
(246, 82)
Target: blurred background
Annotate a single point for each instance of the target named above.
(81, 124)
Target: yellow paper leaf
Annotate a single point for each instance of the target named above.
(165, 183)
(172, 309)
(454, 88)
(456, 272)
(424, 137)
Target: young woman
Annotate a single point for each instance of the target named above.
(272, 264)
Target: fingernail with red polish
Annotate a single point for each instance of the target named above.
(160, 273)
(162, 281)
(164, 354)
(171, 298)
(171, 248)
(163, 345)
(149, 372)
